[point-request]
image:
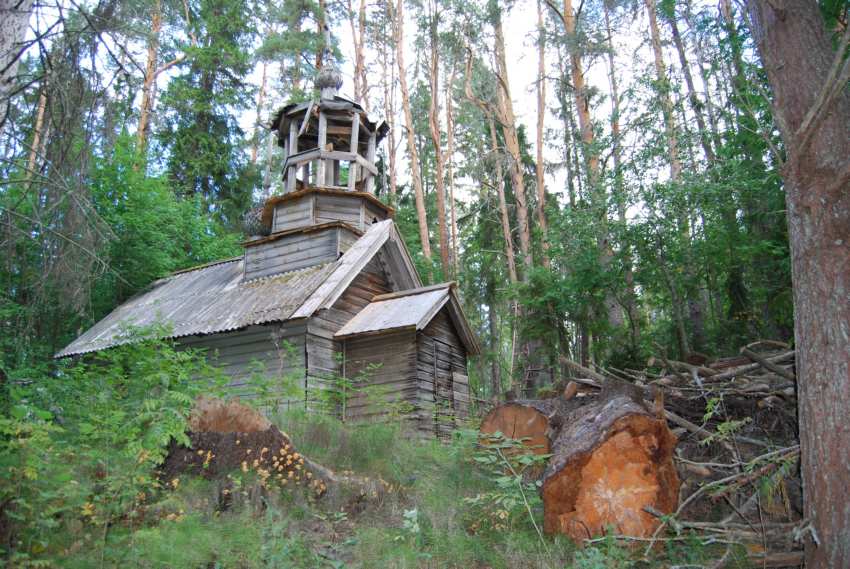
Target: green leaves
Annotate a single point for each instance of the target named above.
(118, 412)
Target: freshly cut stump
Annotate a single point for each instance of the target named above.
(611, 460)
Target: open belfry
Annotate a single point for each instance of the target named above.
(325, 288)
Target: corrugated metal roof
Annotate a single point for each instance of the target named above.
(413, 310)
(214, 298)
(204, 301)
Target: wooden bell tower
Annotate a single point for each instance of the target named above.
(328, 143)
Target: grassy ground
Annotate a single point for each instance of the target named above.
(442, 509)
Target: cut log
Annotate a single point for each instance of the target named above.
(612, 457)
(533, 421)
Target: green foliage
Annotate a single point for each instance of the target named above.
(80, 447)
(200, 129)
(510, 465)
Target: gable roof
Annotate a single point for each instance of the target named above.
(412, 310)
(214, 298)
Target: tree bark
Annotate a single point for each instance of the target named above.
(693, 98)
(503, 204)
(541, 115)
(630, 302)
(663, 89)
(437, 139)
(388, 85)
(261, 97)
(14, 17)
(419, 194)
(507, 120)
(450, 174)
(149, 84)
(37, 136)
(360, 59)
(811, 104)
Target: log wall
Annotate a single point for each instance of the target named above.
(317, 208)
(389, 387)
(260, 361)
(294, 213)
(297, 251)
(322, 349)
(441, 376)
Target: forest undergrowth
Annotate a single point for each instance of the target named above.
(80, 486)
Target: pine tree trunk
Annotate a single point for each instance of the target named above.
(35, 149)
(693, 98)
(507, 120)
(541, 115)
(450, 148)
(630, 302)
(411, 135)
(149, 84)
(495, 342)
(388, 86)
(811, 104)
(360, 57)
(503, 204)
(436, 138)
(663, 88)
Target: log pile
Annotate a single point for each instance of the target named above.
(724, 459)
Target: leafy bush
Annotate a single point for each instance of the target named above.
(80, 447)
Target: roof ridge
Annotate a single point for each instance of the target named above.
(204, 266)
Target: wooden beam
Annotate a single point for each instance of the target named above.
(323, 140)
(289, 172)
(370, 157)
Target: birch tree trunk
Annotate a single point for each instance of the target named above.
(419, 194)
(14, 17)
(811, 104)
